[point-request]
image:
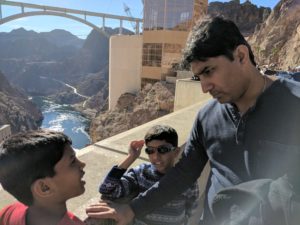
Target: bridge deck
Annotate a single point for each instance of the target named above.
(64, 12)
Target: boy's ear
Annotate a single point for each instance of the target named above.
(41, 188)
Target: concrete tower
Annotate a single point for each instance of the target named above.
(166, 27)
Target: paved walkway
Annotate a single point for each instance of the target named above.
(101, 156)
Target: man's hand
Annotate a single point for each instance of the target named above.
(122, 213)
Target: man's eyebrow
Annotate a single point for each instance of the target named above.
(202, 71)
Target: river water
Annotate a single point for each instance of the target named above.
(63, 118)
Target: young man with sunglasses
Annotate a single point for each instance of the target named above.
(161, 146)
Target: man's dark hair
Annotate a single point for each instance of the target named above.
(213, 37)
(29, 156)
(162, 132)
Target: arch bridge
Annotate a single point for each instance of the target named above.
(67, 13)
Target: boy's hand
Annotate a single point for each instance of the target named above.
(123, 214)
(135, 148)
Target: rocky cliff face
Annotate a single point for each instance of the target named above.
(46, 46)
(93, 57)
(27, 55)
(246, 15)
(133, 110)
(278, 38)
(16, 109)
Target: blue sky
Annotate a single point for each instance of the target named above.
(48, 23)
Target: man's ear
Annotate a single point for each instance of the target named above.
(241, 53)
(41, 188)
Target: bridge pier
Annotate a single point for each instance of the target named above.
(121, 27)
(103, 23)
(0, 11)
(137, 28)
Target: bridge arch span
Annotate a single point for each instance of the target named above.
(50, 13)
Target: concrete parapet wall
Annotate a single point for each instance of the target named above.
(184, 74)
(188, 92)
(171, 80)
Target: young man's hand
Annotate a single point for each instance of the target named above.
(134, 152)
(121, 213)
(135, 148)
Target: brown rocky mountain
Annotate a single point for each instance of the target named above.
(27, 55)
(16, 109)
(246, 15)
(132, 110)
(278, 39)
(33, 46)
(93, 83)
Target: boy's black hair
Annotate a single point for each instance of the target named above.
(162, 132)
(29, 156)
(213, 37)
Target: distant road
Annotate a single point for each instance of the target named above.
(70, 86)
(75, 90)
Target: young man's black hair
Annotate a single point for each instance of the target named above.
(162, 132)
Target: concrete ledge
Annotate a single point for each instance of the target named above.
(171, 80)
(182, 74)
(181, 120)
(187, 93)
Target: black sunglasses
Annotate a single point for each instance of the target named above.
(160, 149)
